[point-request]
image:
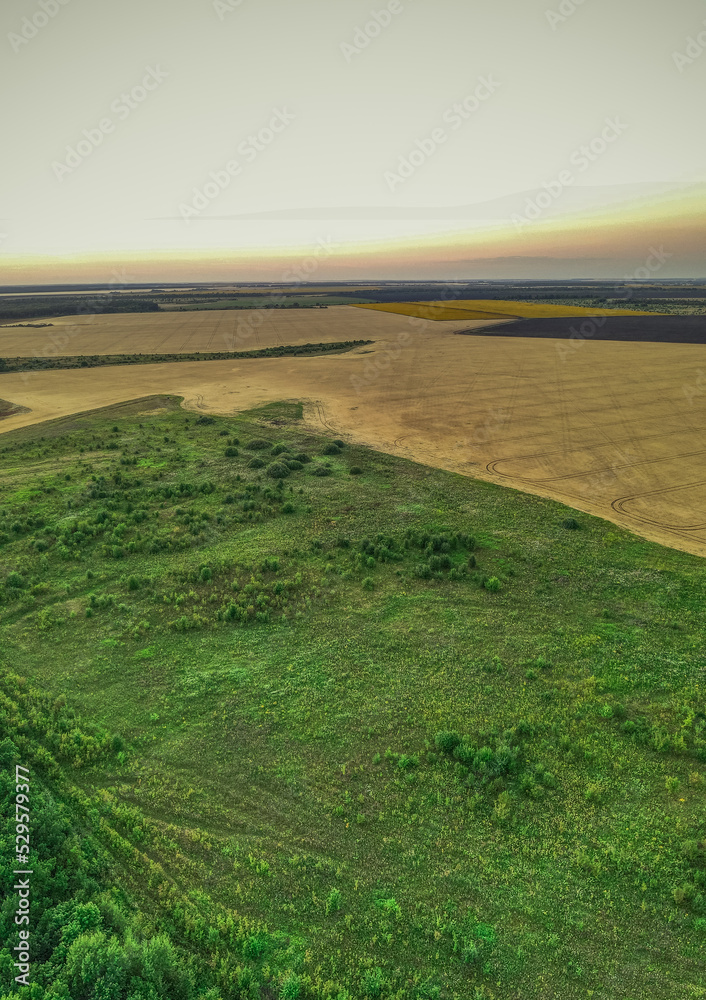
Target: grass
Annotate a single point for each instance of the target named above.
(399, 734)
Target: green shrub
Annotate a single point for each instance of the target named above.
(464, 753)
(492, 584)
(15, 580)
(423, 571)
(278, 470)
(256, 463)
(231, 452)
(206, 420)
(291, 988)
(288, 508)
(571, 524)
(321, 470)
(302, 457)
(333, 901)
(437, 563)
(447, 740)
(279, 449)
(294, 465)
(368, 583)
(371, 983)
(339, 443)
(355, 470)
(331, 449)
(257, 444)
(133, 583)
(205, 574)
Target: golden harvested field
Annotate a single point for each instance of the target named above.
(614, 429)
(210, 330)
(490, 309)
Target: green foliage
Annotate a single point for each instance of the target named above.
(372, 983)
(447, 740)
(333, 901)
(252, 704)
(278, 470)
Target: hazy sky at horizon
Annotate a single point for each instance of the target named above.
(222, 71)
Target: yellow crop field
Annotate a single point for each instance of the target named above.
(614, 429)
(492, 309)
(210, 330)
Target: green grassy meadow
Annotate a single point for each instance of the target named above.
(327, 723)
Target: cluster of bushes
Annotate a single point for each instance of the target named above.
(688, 740)
(493, 763)
(87, 940)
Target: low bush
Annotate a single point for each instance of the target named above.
(447, 740)
(232, 452)
(257, 444)
(256, 463)
(278, 470)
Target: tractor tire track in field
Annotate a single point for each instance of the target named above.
(619, 506)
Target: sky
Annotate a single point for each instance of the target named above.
(185, 140)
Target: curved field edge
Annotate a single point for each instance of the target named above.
(253, 680)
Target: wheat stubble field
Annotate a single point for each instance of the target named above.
(612, 429)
